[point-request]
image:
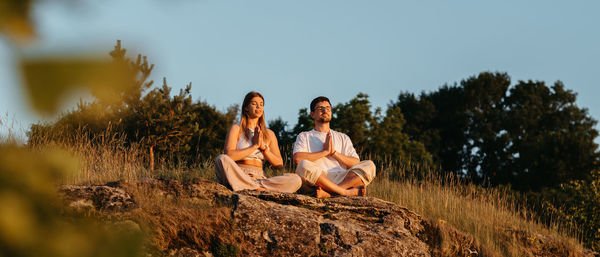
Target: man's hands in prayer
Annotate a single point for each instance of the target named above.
(328, 145)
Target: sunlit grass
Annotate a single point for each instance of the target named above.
(491, 215)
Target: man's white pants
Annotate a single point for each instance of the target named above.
(310, 172)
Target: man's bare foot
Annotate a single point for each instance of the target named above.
(356, 191)
(351, 192)
(362, 191)
(322, 193)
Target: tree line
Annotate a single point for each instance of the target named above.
(528, 135)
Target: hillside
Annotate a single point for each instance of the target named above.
(202, 218)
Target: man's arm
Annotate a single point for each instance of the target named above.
(299, 156)
(348, 161)
(347, 156)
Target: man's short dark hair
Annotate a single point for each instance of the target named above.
(318, 100)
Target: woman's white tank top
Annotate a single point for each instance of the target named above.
(243, 143)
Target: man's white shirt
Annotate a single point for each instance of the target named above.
(312, 142)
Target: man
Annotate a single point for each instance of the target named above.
(327, 160)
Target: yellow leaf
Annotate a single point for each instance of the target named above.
(49, 80)
(15, 21)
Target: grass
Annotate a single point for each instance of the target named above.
(491, 215)
(174, 221)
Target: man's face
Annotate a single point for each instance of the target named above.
(322, 112)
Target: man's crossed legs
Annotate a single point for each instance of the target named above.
(352, 182)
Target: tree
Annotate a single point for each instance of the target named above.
(438, 120)
(486, 138)
(168, 124)
(284, 137)
(305, 123)
(172, 128)
(529, 136)
(355, 119)
(389, 140)
(551, 139)
(213, 125)
(421, 113)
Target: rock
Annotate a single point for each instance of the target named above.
(203, 218)
(102, 198)
(279, 224)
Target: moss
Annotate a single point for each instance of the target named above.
(221, 249)
(322, 248)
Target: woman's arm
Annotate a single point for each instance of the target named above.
(272, 153)
(231, 145)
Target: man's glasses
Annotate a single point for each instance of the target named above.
(323, 108)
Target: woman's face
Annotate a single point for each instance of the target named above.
(255, 108)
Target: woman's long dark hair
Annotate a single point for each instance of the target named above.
(244, 119)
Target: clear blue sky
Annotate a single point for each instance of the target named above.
(293, 51)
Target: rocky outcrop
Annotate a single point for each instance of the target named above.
(280, 224)
(202, 218)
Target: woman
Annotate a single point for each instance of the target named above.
(246, 146)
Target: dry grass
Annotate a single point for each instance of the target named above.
(178, 222)
(109, 161)
(491, 215)
(11, 131)
(113, 159)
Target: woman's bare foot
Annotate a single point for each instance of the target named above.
(322, 193)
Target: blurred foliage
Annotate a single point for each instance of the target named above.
(15, 20)
(32, 218)
(49, 80)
